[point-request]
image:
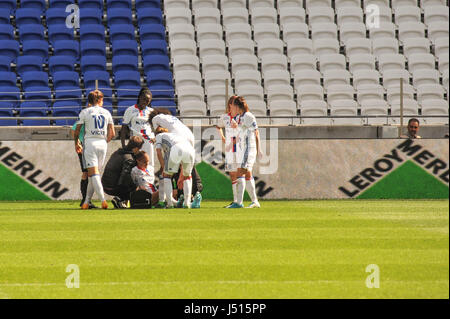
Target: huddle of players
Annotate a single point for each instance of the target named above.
(174, 144)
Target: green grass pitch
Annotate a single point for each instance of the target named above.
(286, 249)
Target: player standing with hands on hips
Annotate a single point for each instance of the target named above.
(98, 131)
(247, 150)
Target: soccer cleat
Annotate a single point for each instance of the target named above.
(91, 206)
(116, 202)
(229, 205)
(254, 205)
(197, 200)
(160, 205)
(85, 206)
(190, 206)
(104, 205)
(236, 205)
(180, 201)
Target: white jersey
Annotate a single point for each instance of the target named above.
(225, 121)
(166, 141)
(95, 120)
(173, 125)
(137, 121)
(143, 179)
(247, 126)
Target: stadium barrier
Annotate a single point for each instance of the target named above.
(288, 169)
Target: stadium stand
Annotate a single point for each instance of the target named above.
(281, 55)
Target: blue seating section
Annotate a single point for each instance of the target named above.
(47, 69)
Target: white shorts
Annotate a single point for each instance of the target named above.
(183, 154)
(246, 157)
(94, 152)
(231, 164)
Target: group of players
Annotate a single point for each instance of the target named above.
(154, 129)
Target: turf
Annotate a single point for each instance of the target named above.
(286, 249)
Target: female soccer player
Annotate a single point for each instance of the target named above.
(226, 121)
(247, 151)
(98, 131)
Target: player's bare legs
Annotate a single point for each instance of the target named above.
(95, 184)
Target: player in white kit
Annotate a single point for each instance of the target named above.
(163, 118)
(172, 151)
(98, 131)
(142, 177)
(226, 121)
(135, 122)
(247, 151)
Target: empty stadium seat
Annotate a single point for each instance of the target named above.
(320, 15)
(381, 46)
(441, 46)
(265, 31)
(436, 107)
(67, 85)
(36, 47)
(263, 15)
(443, 62)
(244, 62)
(325, 46)
(94, 32)
(29, 32)
(155, 63)
(391, 78)
(7, 79)
(216, 79)
(416, 45)
(306, 77)
(93, 63)
(238, 31)
(89, 15)
(361, 62)
(181, 31)
(241, 46)
(420, 61)
(358, 46)
(283, 108)
(125, 47)
(378, 108)
(246, 77)
(366, 92)
(276, 78)
(69, 48)
(206, 15)
(345, 112)
(214, 63)
(209, 31)
(121, 32)
(435, 13)
(425, 76)
(93, 4)
(152, 47)
(365, 77)
(290, 15)
(428, 3)
(430, 92)
(27, 16)
(352, 30)
(5, 64)
(269, 47)
(336, 92)
(314, 112)
(332, 62)
(332, 77)
(188, 78)
(6, 32)
(29, 63)
(60, 3)
(10, 5)
(410, 109)
(317, 3)
(124, 16)
(437, 30)
(152, 32)
(122, 4)
(279, 93)
(391, 62)
(299, 46)
(211, 47)
(185, 63)
(294, 31)
(56, 34)
(92, 47)
(274, 62)
(405, 14)
(61, 63)
(349, 14)
(10, 49)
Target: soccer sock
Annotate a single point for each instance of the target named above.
(89, 192)
(83, 188)
(250, 186)
(168, 191)
(240, 190)
(234, 188)
(187, 189)
(98, 187)
(161, 190)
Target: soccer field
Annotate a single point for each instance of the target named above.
(286, 249)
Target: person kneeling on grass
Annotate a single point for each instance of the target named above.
(143, 178)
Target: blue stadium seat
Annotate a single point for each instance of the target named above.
(118, 4)
(8, 79)
(95, 4)
(60, 3)
(92, 48)
(152, 47)
(10, 5)
(36, 47)
(128, 84)
(168, 104)
(152, 32)
(125, 47)
(9, 97)
(67, 85)
(93, 63)
(57, 33)
(34, 79)
(124, 63)
(29, 32)
(56, 16)
(5, 64)
(161, 84)
(5, 16)
(37, 100)
(10, 48)
(149, 16)
(6, 113)
(27, 16)
(90, 16)
(119, 16)
(92, 32)
(144, 4)
(60, 63)
(28, 63)
(67, 48)
(156, 63)
(121, 32)
(65, 109)
(6, 32)
(103, 83)
(33, 4)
